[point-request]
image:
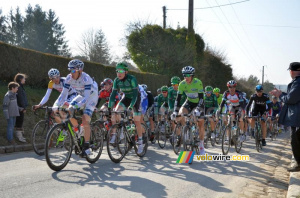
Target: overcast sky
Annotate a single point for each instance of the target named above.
(251, 34)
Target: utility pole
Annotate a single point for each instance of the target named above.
(191, 16)
(263, 70)
(164, 17)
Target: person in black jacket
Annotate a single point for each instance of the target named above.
(23, 103)
(290, 112)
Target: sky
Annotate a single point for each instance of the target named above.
(251, 34)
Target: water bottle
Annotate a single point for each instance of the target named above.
(81, 132)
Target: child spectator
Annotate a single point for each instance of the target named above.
(11, 109)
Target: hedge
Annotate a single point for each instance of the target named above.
(36, 65)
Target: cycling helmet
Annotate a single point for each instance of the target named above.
(76, 64)
(53, 73)
(144, 87)
(158, 90)
(164, 88)
(175, 80)
(216, 90)
(188, 70)
(101, 84)
(259, 88)
(122, 65)
(107, 81)
(208, 88)
(231, 83)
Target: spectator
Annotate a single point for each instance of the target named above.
(22, 102)
(290, 112)
(11, 109)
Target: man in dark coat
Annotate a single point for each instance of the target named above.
(290, 113)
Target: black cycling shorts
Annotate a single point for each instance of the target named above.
(137, 106)
(190, 106)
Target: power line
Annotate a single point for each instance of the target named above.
(253, 60)
(247, 36)
(214, 6)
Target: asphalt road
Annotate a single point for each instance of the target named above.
(25, 174)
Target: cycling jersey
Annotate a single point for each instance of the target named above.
(193, 91)
(219, 99)
(144, 99)
(236, 99)
(59, 87)
(128, 86)
(150, 99)
(104, 94)
(87, 90)
(275, 108)
(172, 94)
(261, 104)
(210, 102)
(162, 100)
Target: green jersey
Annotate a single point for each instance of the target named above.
(210, 101)
(128, 86)
(172, 95)
(161, 99)
(219, 99)
(191, 90)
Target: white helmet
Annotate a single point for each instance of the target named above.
(53, 73)
(75, 64)
(144, 87)
(188, 70)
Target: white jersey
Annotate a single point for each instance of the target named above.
(84, 86)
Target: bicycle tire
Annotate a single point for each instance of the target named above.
(187, 139)
(225, 148)
(176, 148)
(58, 139)
(237, 143)
(38, 137)
(258, 142)
(115, 151)
(162, 138)
(206, 137)
(218, 133)
(96, 144)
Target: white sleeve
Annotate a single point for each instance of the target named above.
(46, 97)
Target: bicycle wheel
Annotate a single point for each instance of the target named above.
(213, 139)
(206, 137)
(162, 134)
(117, 143)
(187, 136)
(275, 130)
(145, 142)
(177, 148)
(237, 143)
(258, 142)
(38, 137)
(59, 146)
(218, 133)
(96, 144)
(226, 138)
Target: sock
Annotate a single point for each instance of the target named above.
(140, 140)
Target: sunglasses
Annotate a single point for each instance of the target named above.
(231, 87)
(208, 92)
(73, 71)
(259, 91)
(53, 78)
(121, 71)
(187, 75)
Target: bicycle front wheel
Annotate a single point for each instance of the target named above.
(258, 142)
(238, 143)
(218, 133)
(59, 146)
(187, 142)
(162, 135)
(96, 144)
(177, 142)
(117, 143)
(38, 137)
(226, 140)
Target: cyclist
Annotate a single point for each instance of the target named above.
(150, 108)
(56, 82)
(131, 99)
(219, 96)
(193, 89)
(162, 100)
(87, 90)
(211, 105)
(105, 93)
(236, 101)
(275, 109)
(261, 102)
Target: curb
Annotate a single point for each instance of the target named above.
(15, 148)
(294, 184)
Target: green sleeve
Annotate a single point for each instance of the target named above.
(170, 100)
(159, 101)
(180, 88)
(113, 94)
(134, 86)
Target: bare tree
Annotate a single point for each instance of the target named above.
(94, 46)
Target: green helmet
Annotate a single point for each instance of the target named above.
(208, 88)
(122, 65)
(216, 90)
(175, 80)
(164, 88)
